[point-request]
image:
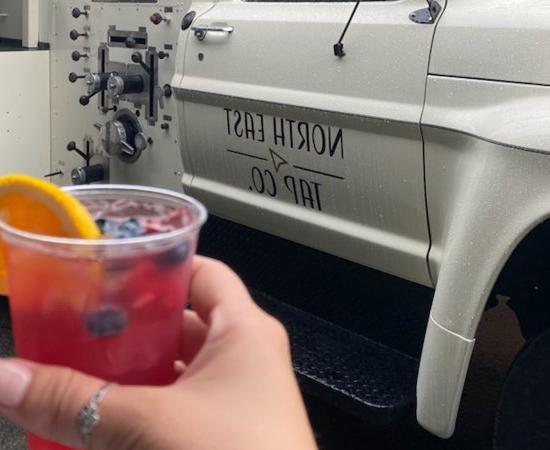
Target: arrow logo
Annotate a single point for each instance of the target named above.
(277, 159)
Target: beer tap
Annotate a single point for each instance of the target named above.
(96, 82)
(118, 85)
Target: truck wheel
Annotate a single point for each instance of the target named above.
(523, 415)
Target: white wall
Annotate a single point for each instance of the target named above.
(25, 112)
(12, 26)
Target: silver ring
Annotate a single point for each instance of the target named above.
(89, 417)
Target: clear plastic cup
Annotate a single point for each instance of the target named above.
(111, 307)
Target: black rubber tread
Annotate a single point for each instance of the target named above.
(350, 371)
(523, 415)
(6, 341)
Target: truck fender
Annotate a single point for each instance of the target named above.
(487, 182)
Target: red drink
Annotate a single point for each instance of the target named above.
(110, 308)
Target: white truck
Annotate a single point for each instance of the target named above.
(344, 149)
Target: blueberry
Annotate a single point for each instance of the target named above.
(105, 226)
(124, 234)
(129, 229)
(176, 255)
(106, 321)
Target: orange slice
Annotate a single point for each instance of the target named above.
(37, 206)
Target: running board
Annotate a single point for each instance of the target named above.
(350, 371)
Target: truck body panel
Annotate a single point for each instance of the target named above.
(332, 159)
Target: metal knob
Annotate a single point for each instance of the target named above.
(85, 99)
(76, 55)
(105, 110)
(71, 147)
(74, 35)
(123, 137)
(163, 55)
(137, 57)
(77, 13)
(130, 42)
(73, 77)
(158, 18)
(167, 90)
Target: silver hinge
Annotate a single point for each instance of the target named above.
(426, 15)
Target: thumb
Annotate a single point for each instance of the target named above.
(46, 400)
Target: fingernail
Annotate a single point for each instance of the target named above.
(14, 383)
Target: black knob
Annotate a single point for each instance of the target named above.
(105, 110)
(73, 77)
(71, 147)
(85, 99)
(167, 90)
(76, 55)
(130, 42)
(77, 13)
(165, 126)
(74, 35)
(137, 57)
(89, 174)
(156, 18)
(163, 55)
(188, 20)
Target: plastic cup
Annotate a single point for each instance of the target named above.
(110, 308)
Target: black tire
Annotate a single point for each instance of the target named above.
(523, 415)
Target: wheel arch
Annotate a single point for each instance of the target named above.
(486, 200)
(451, 331)
(525, 280)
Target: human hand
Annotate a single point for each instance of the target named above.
(237, 389)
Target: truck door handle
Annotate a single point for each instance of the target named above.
(202, 30)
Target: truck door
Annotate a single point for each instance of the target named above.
(279, 134)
